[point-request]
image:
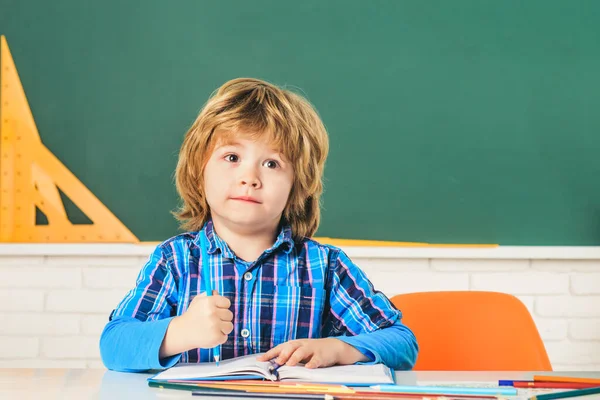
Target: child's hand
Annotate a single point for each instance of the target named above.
(207, 321)
(314, 352)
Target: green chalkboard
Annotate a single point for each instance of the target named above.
(450, 121)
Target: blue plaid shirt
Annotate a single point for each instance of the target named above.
(292, 291)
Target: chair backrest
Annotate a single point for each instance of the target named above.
(472, 331)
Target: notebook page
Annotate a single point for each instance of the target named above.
(348, 374)
(244, 365)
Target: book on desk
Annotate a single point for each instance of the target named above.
(248, 368)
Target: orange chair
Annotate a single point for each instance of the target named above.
(472, 331)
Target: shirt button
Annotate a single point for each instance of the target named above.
(248, 276)
(245, 333)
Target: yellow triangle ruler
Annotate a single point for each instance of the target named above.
(30, 176)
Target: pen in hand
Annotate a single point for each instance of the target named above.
(208, 283)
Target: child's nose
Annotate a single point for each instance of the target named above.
(255, 183)
(250, 178)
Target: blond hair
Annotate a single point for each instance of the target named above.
(291, 124)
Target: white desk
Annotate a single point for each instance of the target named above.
(51, 384)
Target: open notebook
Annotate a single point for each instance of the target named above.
(247, 367)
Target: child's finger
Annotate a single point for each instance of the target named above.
(314, 362)
(274, 352)
(299, 355)
(226, 327)
(286, 351)
(221, 301)
(224, 314)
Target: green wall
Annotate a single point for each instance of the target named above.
(450, 121)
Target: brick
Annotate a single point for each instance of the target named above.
(567, 306)
(521, 283)
(528, 301)
(579, 368)
(584, 329)
(566, 265)
(84, 301)
(398, 266)
(142, 260)
(41, 277)
(19, 347)
(37, 363)
(585, 283)
(93, 324)
(21, 300)
(110, 278)
(573, 353)
(84, 347)
(479, 265)
(552, 329)
(38, 324)
(96, 261)
(586, 265)
(392, 284)
(18, 261)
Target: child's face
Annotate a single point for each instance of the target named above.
(247, 184)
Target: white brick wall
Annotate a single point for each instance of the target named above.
(53, 306)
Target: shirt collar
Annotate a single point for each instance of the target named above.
(284, 241)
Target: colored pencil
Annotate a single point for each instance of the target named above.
(449, 390)
(248, 395)
(361, 396)
(258, 386)
(572, 379)
(370, 395)
(375, 395)
(391, 396)
(553, 385)
(566, 394)
(176, 386)
(293, 388)
(510, 382)
(208, 283)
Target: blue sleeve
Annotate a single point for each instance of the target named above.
(131, 340)
(355, 307)
(395, 346)
(130, 345)
(366, 319)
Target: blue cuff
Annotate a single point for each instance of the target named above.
(130, 345)
(394, 346)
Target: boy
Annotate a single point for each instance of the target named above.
(250, 177)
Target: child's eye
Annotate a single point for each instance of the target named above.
(271, 164)
(232, 158)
